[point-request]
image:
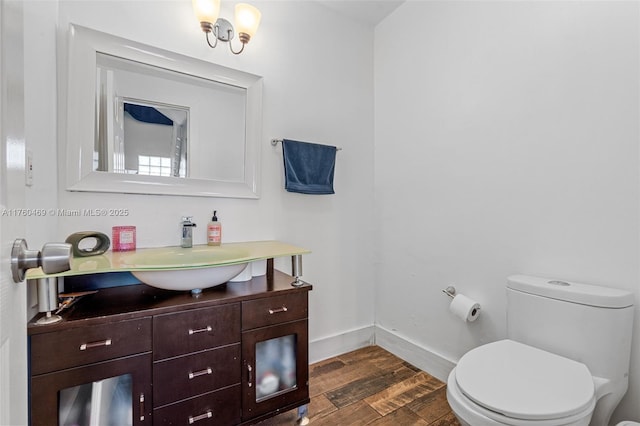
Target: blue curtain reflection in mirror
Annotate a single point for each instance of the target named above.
(147, 114)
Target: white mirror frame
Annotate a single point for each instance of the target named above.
(77, 118)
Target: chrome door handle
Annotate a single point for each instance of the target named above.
(53, 258)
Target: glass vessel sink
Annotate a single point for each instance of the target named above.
(177, 268)
(187, 268)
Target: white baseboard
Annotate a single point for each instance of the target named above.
(426, 360)
(327, 347)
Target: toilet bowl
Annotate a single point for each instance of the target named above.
(510, 383)
(627, 423)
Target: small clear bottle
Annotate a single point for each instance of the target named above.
(214, 231)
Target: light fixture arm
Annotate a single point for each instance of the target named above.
(209, 28)
(213, 46)
(242, 37)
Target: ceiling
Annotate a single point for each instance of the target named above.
(367, 11)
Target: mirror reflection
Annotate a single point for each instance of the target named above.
(150, 140)
(156, 122)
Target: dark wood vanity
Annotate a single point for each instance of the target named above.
(237, 354)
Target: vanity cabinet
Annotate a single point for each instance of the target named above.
(236, 354)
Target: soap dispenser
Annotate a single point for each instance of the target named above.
(214, 231)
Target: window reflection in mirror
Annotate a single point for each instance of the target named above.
(157, 122)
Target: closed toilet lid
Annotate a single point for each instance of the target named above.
(523, 382)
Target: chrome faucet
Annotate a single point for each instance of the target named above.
(187, 231)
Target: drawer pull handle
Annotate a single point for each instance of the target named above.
(204, 372)
(201, 330)
(250, 370)
(278, 310)
(141, 407)
(85, 346)
(206, 415)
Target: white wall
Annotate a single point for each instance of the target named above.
(315, 89)
(506, 142)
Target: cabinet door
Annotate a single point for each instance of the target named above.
(276, 368)
(110, 392)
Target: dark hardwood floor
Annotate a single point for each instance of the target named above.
(371, 386)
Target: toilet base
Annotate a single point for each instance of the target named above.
(609, 396)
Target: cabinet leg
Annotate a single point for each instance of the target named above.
(303, 411)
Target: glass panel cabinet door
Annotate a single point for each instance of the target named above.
(276, 364)
(116, 393)
(103, 402)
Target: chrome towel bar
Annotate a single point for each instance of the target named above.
(275, 142)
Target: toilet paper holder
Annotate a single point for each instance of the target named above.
(463, 307)
(450, 291)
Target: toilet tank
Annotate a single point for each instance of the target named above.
(586, 323)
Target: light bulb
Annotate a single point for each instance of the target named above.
(247, 19)
(206, 10)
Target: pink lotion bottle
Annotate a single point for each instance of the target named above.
(214, 231)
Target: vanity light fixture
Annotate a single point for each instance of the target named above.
(247, 20)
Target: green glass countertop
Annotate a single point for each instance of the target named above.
(168, 258)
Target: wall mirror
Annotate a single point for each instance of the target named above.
(138, 119)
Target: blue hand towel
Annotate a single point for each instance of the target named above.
(308, 167)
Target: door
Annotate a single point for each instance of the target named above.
(276, 364)
(113, 392)
(13, 304)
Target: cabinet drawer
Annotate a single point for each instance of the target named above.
(84, 345)
(195, 330)
(221, 407)
(186, 376)
(274, 310)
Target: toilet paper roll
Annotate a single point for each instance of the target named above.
(465, 308)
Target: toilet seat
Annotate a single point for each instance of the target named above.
(515, 381)
(471, 414)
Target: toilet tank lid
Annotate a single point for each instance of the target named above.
(585, 294)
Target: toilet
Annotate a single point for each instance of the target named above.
(565, 361)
